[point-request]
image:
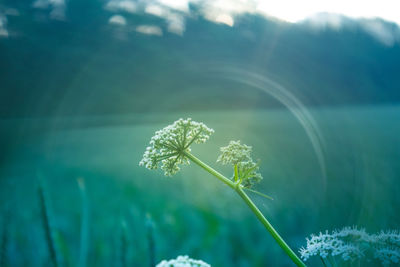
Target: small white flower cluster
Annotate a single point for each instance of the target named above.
(387, 247)
(388, 237)
(387, 255)
(239, 154)
(326, 244)
(352, 243)
(234, 153)
(169, 144)
(352, 233)
(183, 261)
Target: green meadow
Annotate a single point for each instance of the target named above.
(136, 217)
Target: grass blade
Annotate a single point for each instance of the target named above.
(4, 241)
(151, 241)
(84, 241)
(46, 226)
(123, 244)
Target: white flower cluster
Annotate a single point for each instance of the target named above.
(168, 145)
(183, 261)
(352, 233)
(239, 154)
(388, 237)
(352, 243)
(387, 247)
(387, 255)
(326, 244)
(234, 153)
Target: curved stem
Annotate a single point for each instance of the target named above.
(252, 206)
(210, 170)
(269, 227)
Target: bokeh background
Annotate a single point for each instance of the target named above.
(85, 84)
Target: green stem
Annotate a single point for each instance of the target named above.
(84, 239)
(323, 262)
(210, 170)
(252, 206)
(236, 173)
(269, 227)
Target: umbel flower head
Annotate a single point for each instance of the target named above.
(326, 244)
(351, 243)
(168, 145)
(238, 155)
(183, 261)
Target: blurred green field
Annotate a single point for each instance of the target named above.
(193, 213)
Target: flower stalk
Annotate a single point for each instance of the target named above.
(210, 170)
(239, 190)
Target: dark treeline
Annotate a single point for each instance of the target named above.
(85, 66)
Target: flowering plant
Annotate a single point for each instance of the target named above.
(183, 261)
(245, 169)
(170, 147)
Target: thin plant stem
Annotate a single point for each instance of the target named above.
(150, 241)
(221, 177)
(84, 238)
(47, 228)
(323, 261)
(269, 227)
(4, 241)
(258, 193)
(332, 261)
(123, 244)
(238, 188)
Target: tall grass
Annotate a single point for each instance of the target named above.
(84, 239)
(123, 244)
(151, 241)
(4, 241)
(46, 225)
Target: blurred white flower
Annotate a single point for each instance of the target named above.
(352, 243)
(388, 237)
(326, 244)
(387, 255)
(183, 261)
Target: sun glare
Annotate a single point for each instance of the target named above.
(294, 11)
